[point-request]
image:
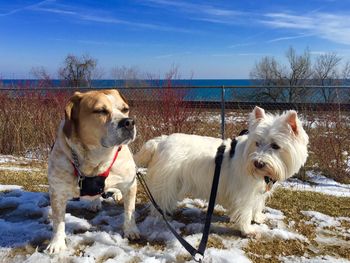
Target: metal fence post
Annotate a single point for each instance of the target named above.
(223, 112)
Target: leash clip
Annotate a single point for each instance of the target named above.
(81, 178)
(198, 257)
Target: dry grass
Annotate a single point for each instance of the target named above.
(291, 203)
(35, 180)
(24, 110)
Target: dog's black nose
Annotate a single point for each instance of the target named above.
(127, 123)
(259, 164)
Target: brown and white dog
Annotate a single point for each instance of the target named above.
(95, 128)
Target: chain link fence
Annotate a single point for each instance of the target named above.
(29, 117)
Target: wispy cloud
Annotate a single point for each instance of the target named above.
(242, 45)
(288, 38)
(316, 53)
(54, 10)
(240, 54)
(16, 10)
(334, 27)
(195, 8)
(95, 43)
(50, 6)
(175, 55)
(254, 54)
(202, 12)
(112, 20)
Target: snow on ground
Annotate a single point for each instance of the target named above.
(19, 169)
(25, 220)
(97, 237)
(25, 228)
(318, 183)
(15, 164)
(9, 187)
(329, 229)
(14, 159)
(230, 117)
(93, 237)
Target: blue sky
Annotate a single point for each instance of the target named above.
(205, 39)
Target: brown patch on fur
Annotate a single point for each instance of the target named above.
(71, 113)
(81, 117)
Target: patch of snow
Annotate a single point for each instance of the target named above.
(318, 183)
(328, 228)
(227, 255)
(9, 187)
(15, 159)
(280, 232)
(320, 219)
(318, 259)
(19, 169)
(99, 237)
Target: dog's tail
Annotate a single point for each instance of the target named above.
(144, 156)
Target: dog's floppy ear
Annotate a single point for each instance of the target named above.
(258, 113)
(71, 113)
(292, 120)
(122, 96)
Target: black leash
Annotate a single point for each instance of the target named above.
(197, 254)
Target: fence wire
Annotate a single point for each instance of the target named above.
(29, 117)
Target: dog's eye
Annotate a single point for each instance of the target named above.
(275, 146)
(101, 111)
(257, 144)
(125, 110)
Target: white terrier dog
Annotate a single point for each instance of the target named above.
(179, 164)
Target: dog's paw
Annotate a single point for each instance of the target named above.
(117, 196)
(248, 231)
(259, 218)
(56, 245)
(131, 233)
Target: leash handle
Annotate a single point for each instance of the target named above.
(197, 254)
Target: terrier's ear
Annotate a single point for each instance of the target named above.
(71, 112)
(258, 113)
(292, 120)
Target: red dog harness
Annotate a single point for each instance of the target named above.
(93, 185)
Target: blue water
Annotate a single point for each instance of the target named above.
(105, 83)
(198, 94)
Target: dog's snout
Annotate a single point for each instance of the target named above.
(259, 164)
(128, 123)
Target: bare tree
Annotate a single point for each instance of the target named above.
(44, 78)
(275, 77)
(346, 71)
(78, 71)
(298, 75)
(268, 72)
(345, 74)
(131, 76)
(325, 73)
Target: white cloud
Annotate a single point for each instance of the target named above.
(49, 6)
(13, 11)
(200, 11)
(333, 27)
(197, 8)
(288, 38)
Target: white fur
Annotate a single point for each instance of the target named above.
(180, 164)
